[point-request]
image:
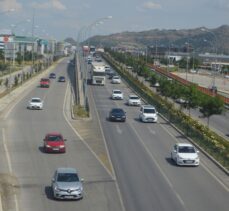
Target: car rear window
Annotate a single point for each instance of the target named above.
(67, 177)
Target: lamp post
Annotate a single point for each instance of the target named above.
(84, 34)
(13, 32)
(187, 66)
(215, 49)
(7, 11)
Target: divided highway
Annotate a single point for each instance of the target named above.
(140, 153)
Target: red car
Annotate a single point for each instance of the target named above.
(44, 82)
(54, 142)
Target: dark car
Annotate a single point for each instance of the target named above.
(54, 142)
(117, 114)
(52, 75)
(61, 79)
(111, 74)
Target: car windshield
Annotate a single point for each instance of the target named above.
(117, 111)
(186, 149)
(149, 110)
(36, 100)
(54, 138)
(67, 177)
(117, 92)
(134, 98)
(116, 77)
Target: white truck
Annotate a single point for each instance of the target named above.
(98, 74)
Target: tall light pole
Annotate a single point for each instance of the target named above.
(7, 11)
(13, 32)
(187, 43)
(87, 33)
(215, 49)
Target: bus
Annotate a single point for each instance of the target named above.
(98, 74)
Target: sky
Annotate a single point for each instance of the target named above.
(80, 19)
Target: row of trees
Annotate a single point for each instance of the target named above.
(208, 105)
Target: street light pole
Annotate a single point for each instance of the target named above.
(215, 49)
(187, 61)
(86, 31)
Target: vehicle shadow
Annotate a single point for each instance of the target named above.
(41, 149)
(170, 161)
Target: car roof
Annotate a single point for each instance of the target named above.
(148, 106)
(184, 145)
(66, 170)
(117, 109)
(132, 95)
(35, 98)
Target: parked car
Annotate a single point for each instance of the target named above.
(44, 83)
(181, 101)
(54, 142)
(116, 79)
(185, 154)
(226, 105)
(117, 114)
(52, 75)
(66, 184)
(148, 113)
(35, 103)
(61, 79)
(134, 100)
(117, 94)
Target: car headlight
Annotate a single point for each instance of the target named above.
(62, 146)
(56, 189)
(179, 157)
(48, 146)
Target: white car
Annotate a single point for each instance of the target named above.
(35, 103)
(134, 100)
(185, 154)
(116, 80)
(148, 113)
(117, 94)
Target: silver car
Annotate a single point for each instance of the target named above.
(66, 184)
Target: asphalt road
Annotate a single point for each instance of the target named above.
(31, 170)
(147, 177)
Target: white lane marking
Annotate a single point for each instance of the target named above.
(151, 130)
(6, 151)
(9, 164)
(83, 141)
(108, 154)
(158, 166)
(201, 163)
(118, 129)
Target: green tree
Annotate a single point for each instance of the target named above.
(211, 106)
(19, 58)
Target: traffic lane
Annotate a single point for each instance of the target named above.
(29, 137)
(141, 184)
(152, 131)
(194, 185)
(34, 169)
